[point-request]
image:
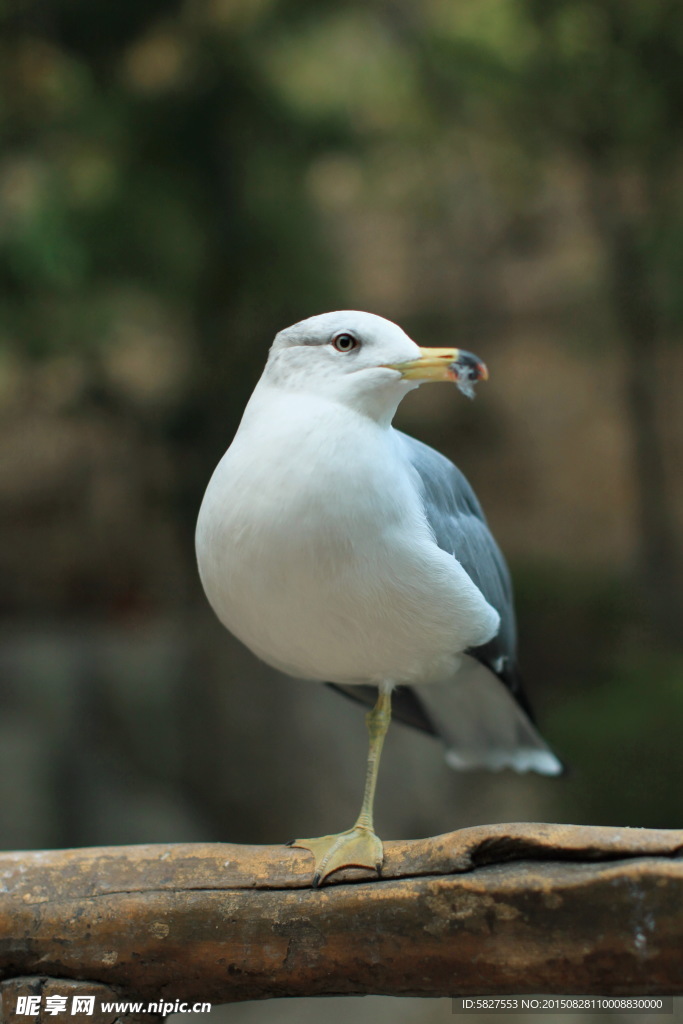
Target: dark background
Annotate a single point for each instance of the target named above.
(179, 180)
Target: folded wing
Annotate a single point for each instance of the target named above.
(482, 714)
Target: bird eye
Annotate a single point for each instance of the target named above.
(345, 342)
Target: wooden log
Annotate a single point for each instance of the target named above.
(502, 909)
(44, 989)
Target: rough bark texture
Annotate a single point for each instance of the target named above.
(486, 910)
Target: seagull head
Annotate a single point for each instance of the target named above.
(364, 361)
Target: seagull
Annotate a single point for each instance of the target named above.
(341, 550)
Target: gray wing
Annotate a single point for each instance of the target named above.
(460, 528)
(485, 720)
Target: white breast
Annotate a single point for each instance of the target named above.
(314, 551)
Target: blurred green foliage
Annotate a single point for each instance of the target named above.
(145, 147)
(168, 144)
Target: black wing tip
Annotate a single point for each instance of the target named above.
(509, 676)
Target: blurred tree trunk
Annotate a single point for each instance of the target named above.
(640, 329)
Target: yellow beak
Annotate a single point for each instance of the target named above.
(436, 364)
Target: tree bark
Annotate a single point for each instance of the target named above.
(488, 910)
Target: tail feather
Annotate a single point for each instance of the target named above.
(482, 724)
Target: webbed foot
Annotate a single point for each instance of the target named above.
(357, 847)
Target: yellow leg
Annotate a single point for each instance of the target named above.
(357, 847)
